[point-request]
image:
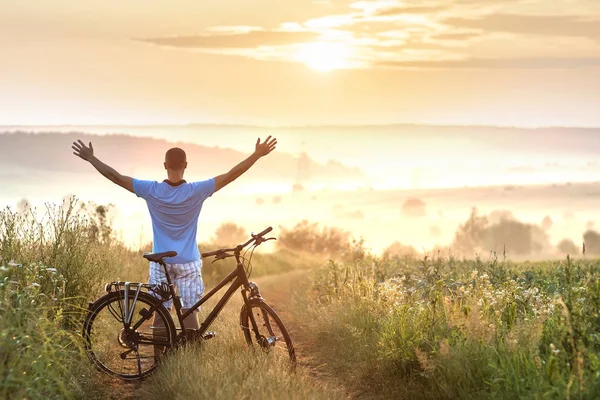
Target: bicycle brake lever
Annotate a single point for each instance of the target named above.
(221, 257)
(261, 240)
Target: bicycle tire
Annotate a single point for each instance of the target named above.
(265, 316)
(117, 339)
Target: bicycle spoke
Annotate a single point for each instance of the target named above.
(139, 362)
(271, 337)
(129, 353)
(118, 316)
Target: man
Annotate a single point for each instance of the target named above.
(174, 206)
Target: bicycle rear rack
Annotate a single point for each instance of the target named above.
(161, 290)
(116, 286)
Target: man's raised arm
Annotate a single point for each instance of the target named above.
(87, 154)
(261, 150)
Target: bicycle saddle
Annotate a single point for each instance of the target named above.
(157, 257)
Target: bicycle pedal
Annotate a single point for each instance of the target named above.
(209, 335)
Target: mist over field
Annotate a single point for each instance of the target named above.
(401, 183)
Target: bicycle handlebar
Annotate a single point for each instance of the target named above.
(263, 233)
(255, 237)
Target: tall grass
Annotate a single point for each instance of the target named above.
(385, 328)
(452, 329)
(225, 368)
(51, 264)
(53, 261)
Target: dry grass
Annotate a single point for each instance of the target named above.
(225, 368)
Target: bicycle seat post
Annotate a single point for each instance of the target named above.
(161, 262)
(176, 298)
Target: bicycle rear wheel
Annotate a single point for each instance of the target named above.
(272, 336)
(128, 353)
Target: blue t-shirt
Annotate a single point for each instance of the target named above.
(174, 211)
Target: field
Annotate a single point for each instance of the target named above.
(365, 326)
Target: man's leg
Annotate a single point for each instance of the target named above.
(159, 332)
(191, 289)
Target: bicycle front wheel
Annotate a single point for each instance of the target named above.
(127, 339)
(269, 332)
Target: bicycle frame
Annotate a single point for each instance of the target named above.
(237, 277)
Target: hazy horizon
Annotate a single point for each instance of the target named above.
(330, 176)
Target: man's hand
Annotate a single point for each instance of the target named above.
(85, 153)
(262, 149)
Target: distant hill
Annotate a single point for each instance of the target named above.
(380, 156)
(143, 157)
(404, 138)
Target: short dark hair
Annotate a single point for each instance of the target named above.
(175, 158)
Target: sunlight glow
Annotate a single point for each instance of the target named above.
(324, 56)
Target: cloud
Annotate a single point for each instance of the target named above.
(408, 10)
(455, 36)
(388, 34)
(530, 24)
(500, 63)
(243, 40)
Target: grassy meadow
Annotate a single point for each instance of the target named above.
(450, 329)
(395, 326)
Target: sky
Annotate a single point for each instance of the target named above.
(297, 62)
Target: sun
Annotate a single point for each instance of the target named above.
(324, 56)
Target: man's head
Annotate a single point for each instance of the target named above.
(175, 159)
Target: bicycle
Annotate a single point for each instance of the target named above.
(133, 345)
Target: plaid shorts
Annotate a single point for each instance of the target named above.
(186, 277)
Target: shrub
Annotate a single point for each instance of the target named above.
(497, 216)
(592, 242)
(566, 246)
(517, 237)
(397, 249)
(308, 237)
(471, 234)
(229, 234)
(547, 223)
(478, 234)
(414, 207)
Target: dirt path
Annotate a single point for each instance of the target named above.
(285, 293)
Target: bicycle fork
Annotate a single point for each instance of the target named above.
(254, 295)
